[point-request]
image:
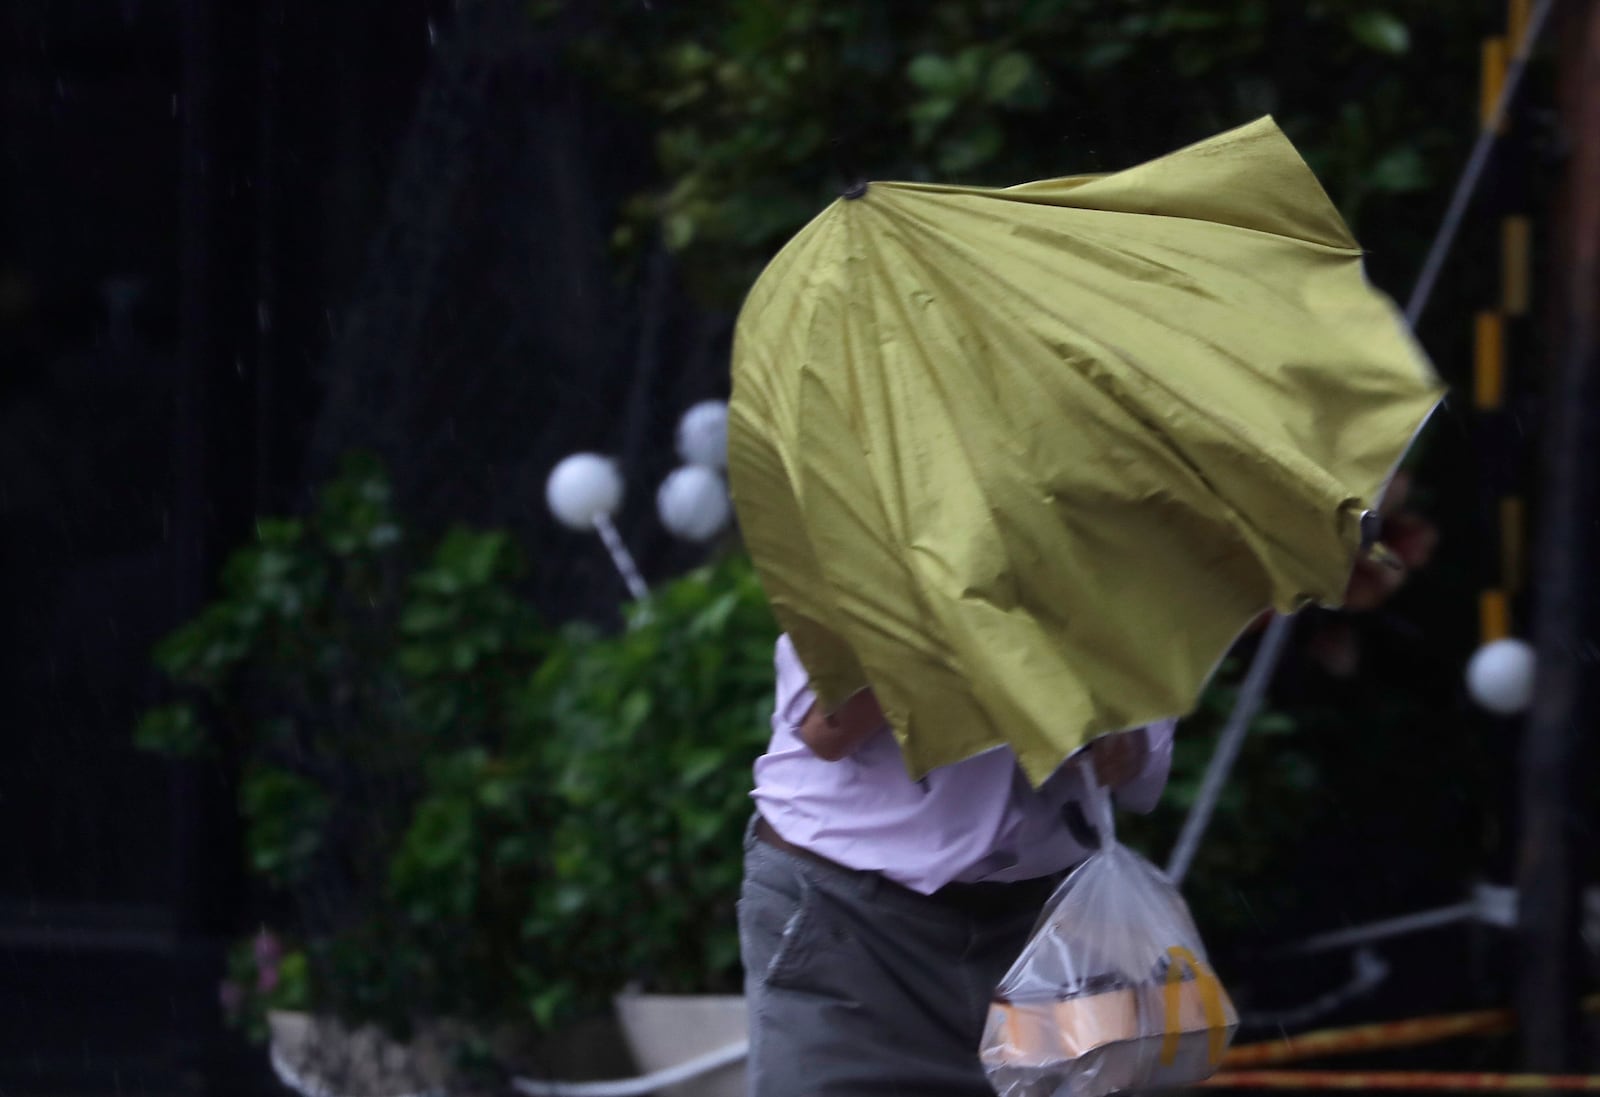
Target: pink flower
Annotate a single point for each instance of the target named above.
(268, 949)
(230, 995)
(267, 979)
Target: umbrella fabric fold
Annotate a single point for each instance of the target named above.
(1027, 460)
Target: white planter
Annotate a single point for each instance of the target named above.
(667, 1029)
(317, 1056)
(321, 1057)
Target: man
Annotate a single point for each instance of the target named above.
(878, 913)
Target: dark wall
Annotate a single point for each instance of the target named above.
(89, 224)
(186, 197)
(238, 238)
(187, 194)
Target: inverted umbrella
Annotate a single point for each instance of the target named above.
(1027, 460)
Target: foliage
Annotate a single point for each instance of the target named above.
(661, 722)
(478, 820)
(762, 111)
(263, 977)
(373, 693)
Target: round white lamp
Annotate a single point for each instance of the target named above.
(693, 503)
(1500, 676)
(703, 435)
(584, 491)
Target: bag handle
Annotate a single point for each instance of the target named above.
(1089, 815)
(1210, 989)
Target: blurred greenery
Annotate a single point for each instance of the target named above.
(458, 812)
(762, 112)
(454, 812)
(373, 692)
(661, 723)
(474, 818)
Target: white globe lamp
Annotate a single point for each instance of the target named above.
(693, 503)
(583, 492)
(1500, 676)
(584, 489)
(703, 435)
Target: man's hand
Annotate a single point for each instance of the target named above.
(1118, 759)
(832, 736)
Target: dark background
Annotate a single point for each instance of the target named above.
(209, 209)
(239, 238)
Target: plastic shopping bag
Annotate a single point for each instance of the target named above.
(1112, 991)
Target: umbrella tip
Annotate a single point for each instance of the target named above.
(855, 190)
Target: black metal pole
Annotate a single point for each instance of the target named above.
(1562, 724)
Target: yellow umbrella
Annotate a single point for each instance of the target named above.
(1027, 460)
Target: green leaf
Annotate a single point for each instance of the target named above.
(1181, 20)
(473, 557)
(677, 231)
(1010, 78)
(500, 793)
(935, 74)
(171, 729)
(281, 532)
(286, 813)
(550, 1004)
(383, 535)
(440, 833)
(1273, 723)
(424, 617)
(763, 214)
(634, 711)
(701, 765)
(294, 983)
(968, 151)
(419, 661)
(1381, 31)
(1104, 55)
(1400, 171)
(969, 66)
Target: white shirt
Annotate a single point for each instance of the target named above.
(976, 820)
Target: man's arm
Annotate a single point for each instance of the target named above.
(839, 734)
(1139, 783)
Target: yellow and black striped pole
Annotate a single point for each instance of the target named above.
(1493, 343)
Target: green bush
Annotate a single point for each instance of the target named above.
(461, 815)
(661, 724)
(761, 112)
(373, 692)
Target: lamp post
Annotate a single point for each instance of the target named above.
(585, 490)
(1558, 741)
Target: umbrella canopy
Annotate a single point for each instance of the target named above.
(1027, 460)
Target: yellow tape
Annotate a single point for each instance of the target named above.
(1488, 361)
(1516, 256)
(1210, 1000)
(1399, 1080)
(1517, 25)
(1494, 615)
(1511, 542)
(1493, 80)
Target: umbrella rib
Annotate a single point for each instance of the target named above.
(1334, 495)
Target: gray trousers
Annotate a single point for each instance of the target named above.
(858, 986)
